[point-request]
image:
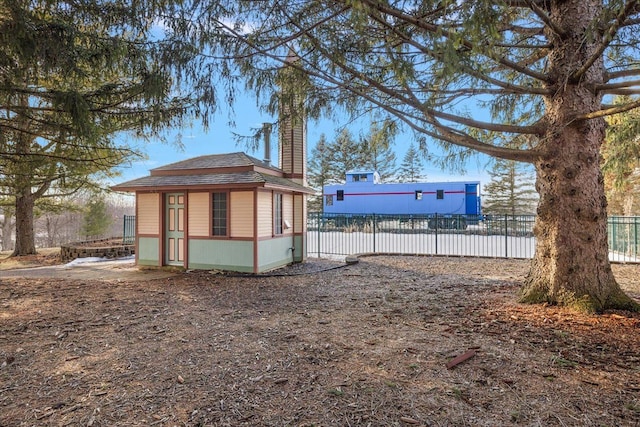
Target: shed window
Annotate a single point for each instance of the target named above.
(439, 194)
(328, 200)
(219, 202)
(277, 213)
(418, 194)
(340, 195)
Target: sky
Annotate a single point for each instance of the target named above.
(219, 138)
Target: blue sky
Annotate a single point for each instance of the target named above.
(219, 138)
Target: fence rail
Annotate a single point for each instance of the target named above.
(495, 236)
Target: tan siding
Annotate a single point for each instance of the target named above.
(199, 214)
(298, 148)
(265, 214)
(241, 210)
(148, 216)
(298, 214)
(287, 213)
(284, 158)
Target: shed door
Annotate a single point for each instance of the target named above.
(174, 229)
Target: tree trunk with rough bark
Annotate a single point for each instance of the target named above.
(25, 237)
(23, 187)
(571, 263)
(6, 242)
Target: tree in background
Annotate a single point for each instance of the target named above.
(319, 171)
(511, 190)
(73, 75)
(621, 154)
(346, 155)
(378, 152)
(96, 220)
(6, 227)
(412, 166)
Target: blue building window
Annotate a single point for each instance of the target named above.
(439, 194)
(340, 195)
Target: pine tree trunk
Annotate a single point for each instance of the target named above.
(571, 264)
(25, 236)
(7, 231)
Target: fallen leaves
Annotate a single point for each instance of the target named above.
(369, 344)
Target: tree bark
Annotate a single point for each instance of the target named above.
(25, 237)
(571, 264)
(7, 231)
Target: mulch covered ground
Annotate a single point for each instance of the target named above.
(363, 345)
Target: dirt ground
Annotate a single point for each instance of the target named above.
(360, 345)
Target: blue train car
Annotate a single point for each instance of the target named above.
(363, 193)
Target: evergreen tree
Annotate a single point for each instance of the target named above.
(319, 172)
(378, 152)
(73, 75)
(511, 190)
(96, 220)
(6, 227)
(411, 166)
(346, 155)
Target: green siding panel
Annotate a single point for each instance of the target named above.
(300, 254)
(148, 250)
(221, 254)
(274, 253)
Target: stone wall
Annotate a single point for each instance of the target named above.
(102, 248)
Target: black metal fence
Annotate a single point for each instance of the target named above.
(503, 236)
(495, 236)
(129, 230)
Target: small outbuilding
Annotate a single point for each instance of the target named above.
(225, 211)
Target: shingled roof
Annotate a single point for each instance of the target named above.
(214, 171)
(217, 161)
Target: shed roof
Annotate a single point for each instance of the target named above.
(217, 161)
(214, 171)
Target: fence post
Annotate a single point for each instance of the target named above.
(635, 239)
(374, 232)
(436, 220)
(318, 219)
(506, 235)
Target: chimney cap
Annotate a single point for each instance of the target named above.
(266, 130)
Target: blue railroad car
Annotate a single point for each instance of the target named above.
(444, 204)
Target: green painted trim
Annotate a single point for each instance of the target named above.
(237, 268)
(274, 253)
(300, 254)
(221, 254)
(148, 250)
(273, 266)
